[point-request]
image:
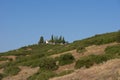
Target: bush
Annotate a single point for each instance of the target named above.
(118, 37)
(113, 50)
(83, 63)
(48, 64)
(4, 59)
(11, 70)
(66, 59)
(81, 49)
(42, 75)
(1, 76)
(90, 60)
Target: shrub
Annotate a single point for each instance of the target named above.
(113, 50)
(4, 59)
(1, 76)
(42, 75)
(11, 70)
(83, 63)
(88, 61)
(66, 59)
(118, 37)
(48, 64)
(81, 49)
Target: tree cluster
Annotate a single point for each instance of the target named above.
(53, 40)
(57, 40)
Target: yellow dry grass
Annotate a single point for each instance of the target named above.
(107, 71)
(23, 74)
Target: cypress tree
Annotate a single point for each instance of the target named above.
(41, 41)
(60, 39)
(118, 36)
(52, 39)
(63, 40)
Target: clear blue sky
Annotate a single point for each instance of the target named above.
(22, 22)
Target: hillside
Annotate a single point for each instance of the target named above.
(94, 58)
(107, 71)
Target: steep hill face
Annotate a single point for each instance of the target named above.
(107, 71)
(94, 58)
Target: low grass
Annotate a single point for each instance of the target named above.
(36, 55)
(4, 59)
(81, 49)
(10, 71)
(42, 75)
(65, 72)
(110, 53)
(113, 50)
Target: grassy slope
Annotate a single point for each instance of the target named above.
(32, 55)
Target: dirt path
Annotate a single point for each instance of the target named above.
(10, 57)
(23, 74)
(64, 68)
(90, 50)
(1, 70)
(107, 71)
(2, 62)
(94, 49)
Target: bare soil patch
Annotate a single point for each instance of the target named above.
(94, 49)
(107, 71)
(10, 57)
(64, 68)
(23, 74)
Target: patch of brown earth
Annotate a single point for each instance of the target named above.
(2, 62)
(64, 68)
(1, 70)
(10, 57)
(94, 49)
(107, 71)
(23, 74)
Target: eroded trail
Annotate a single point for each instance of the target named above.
(23, 74)
(107, 71)
(97, 50)
(94, 49)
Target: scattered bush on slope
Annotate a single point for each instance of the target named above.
(66, 59)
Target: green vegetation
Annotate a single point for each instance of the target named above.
(41, 41)
(4, 59)
(88, 61)
(57, 40)
(1, 76)
(111, 52)
(81, 49)
(65, 72)
(48, 64)
(42, 75)
(118, 37)
(66, 59)
(38, 55)
(11, 70)
(43, 63)
(96, 40)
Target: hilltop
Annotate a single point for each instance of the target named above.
(93, 58)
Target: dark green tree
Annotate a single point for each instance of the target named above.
(52, 39)
(63, 40)
(41, 41)
(56, 40)
(60, 39)
(118, 36)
